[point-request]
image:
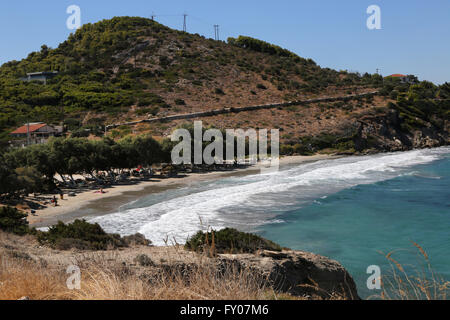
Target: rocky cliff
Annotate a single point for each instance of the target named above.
(385, 133)
(298, 273)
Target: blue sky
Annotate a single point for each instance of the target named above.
(414, 38)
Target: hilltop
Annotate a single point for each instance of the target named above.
(130, 68)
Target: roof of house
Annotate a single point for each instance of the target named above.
(33, 127)
(397, 75)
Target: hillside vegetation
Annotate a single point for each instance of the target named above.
(112, 66)
(129, 68)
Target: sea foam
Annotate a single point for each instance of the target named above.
(251, 201)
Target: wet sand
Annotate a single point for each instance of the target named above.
(89, 203)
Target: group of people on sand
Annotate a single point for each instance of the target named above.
(61, 195)
(101, 191)
(55, 200)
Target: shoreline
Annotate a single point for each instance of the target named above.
(89, 204)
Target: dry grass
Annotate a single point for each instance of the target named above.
(19, 277)
(202, 284)
(27, 269)
(418, 282)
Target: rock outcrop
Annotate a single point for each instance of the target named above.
(384, 133)
(298, 273)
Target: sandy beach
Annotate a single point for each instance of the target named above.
(94, 203)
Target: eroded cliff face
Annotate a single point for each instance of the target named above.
(387, 133)
(298, 273)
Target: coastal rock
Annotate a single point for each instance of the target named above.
(298, 273)
(385, 133)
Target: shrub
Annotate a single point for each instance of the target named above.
(13, 220)
(81, 133)
(230, 241)
(80, 235)
(394, 94)
(292, 108)
(286, 149)
(72, 123)
(262, 46)
(180, 102)
(302, 149)
(137, 239)
(141, 112)
(219, 91)
(261, 86)
(153, 111)
(29, 179)
(148, 99)
(324, 141)
(144, 260)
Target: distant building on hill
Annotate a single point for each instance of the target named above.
(404, 78)
(34, 133)
(40, 76)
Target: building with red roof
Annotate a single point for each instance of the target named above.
(32, 128)
(37, 132)
(404, 78)
(398, 75)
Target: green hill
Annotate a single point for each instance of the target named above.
(128, 68)
(109, 66)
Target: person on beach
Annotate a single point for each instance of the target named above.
(55, 201)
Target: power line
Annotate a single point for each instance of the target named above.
(153, 15)
(184, 22)
(185, 15)
(209, 23)
(216, 32)
(168, 15)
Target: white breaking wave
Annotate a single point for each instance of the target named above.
(251, 201)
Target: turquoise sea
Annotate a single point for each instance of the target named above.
(349, 209)
(354, 225)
